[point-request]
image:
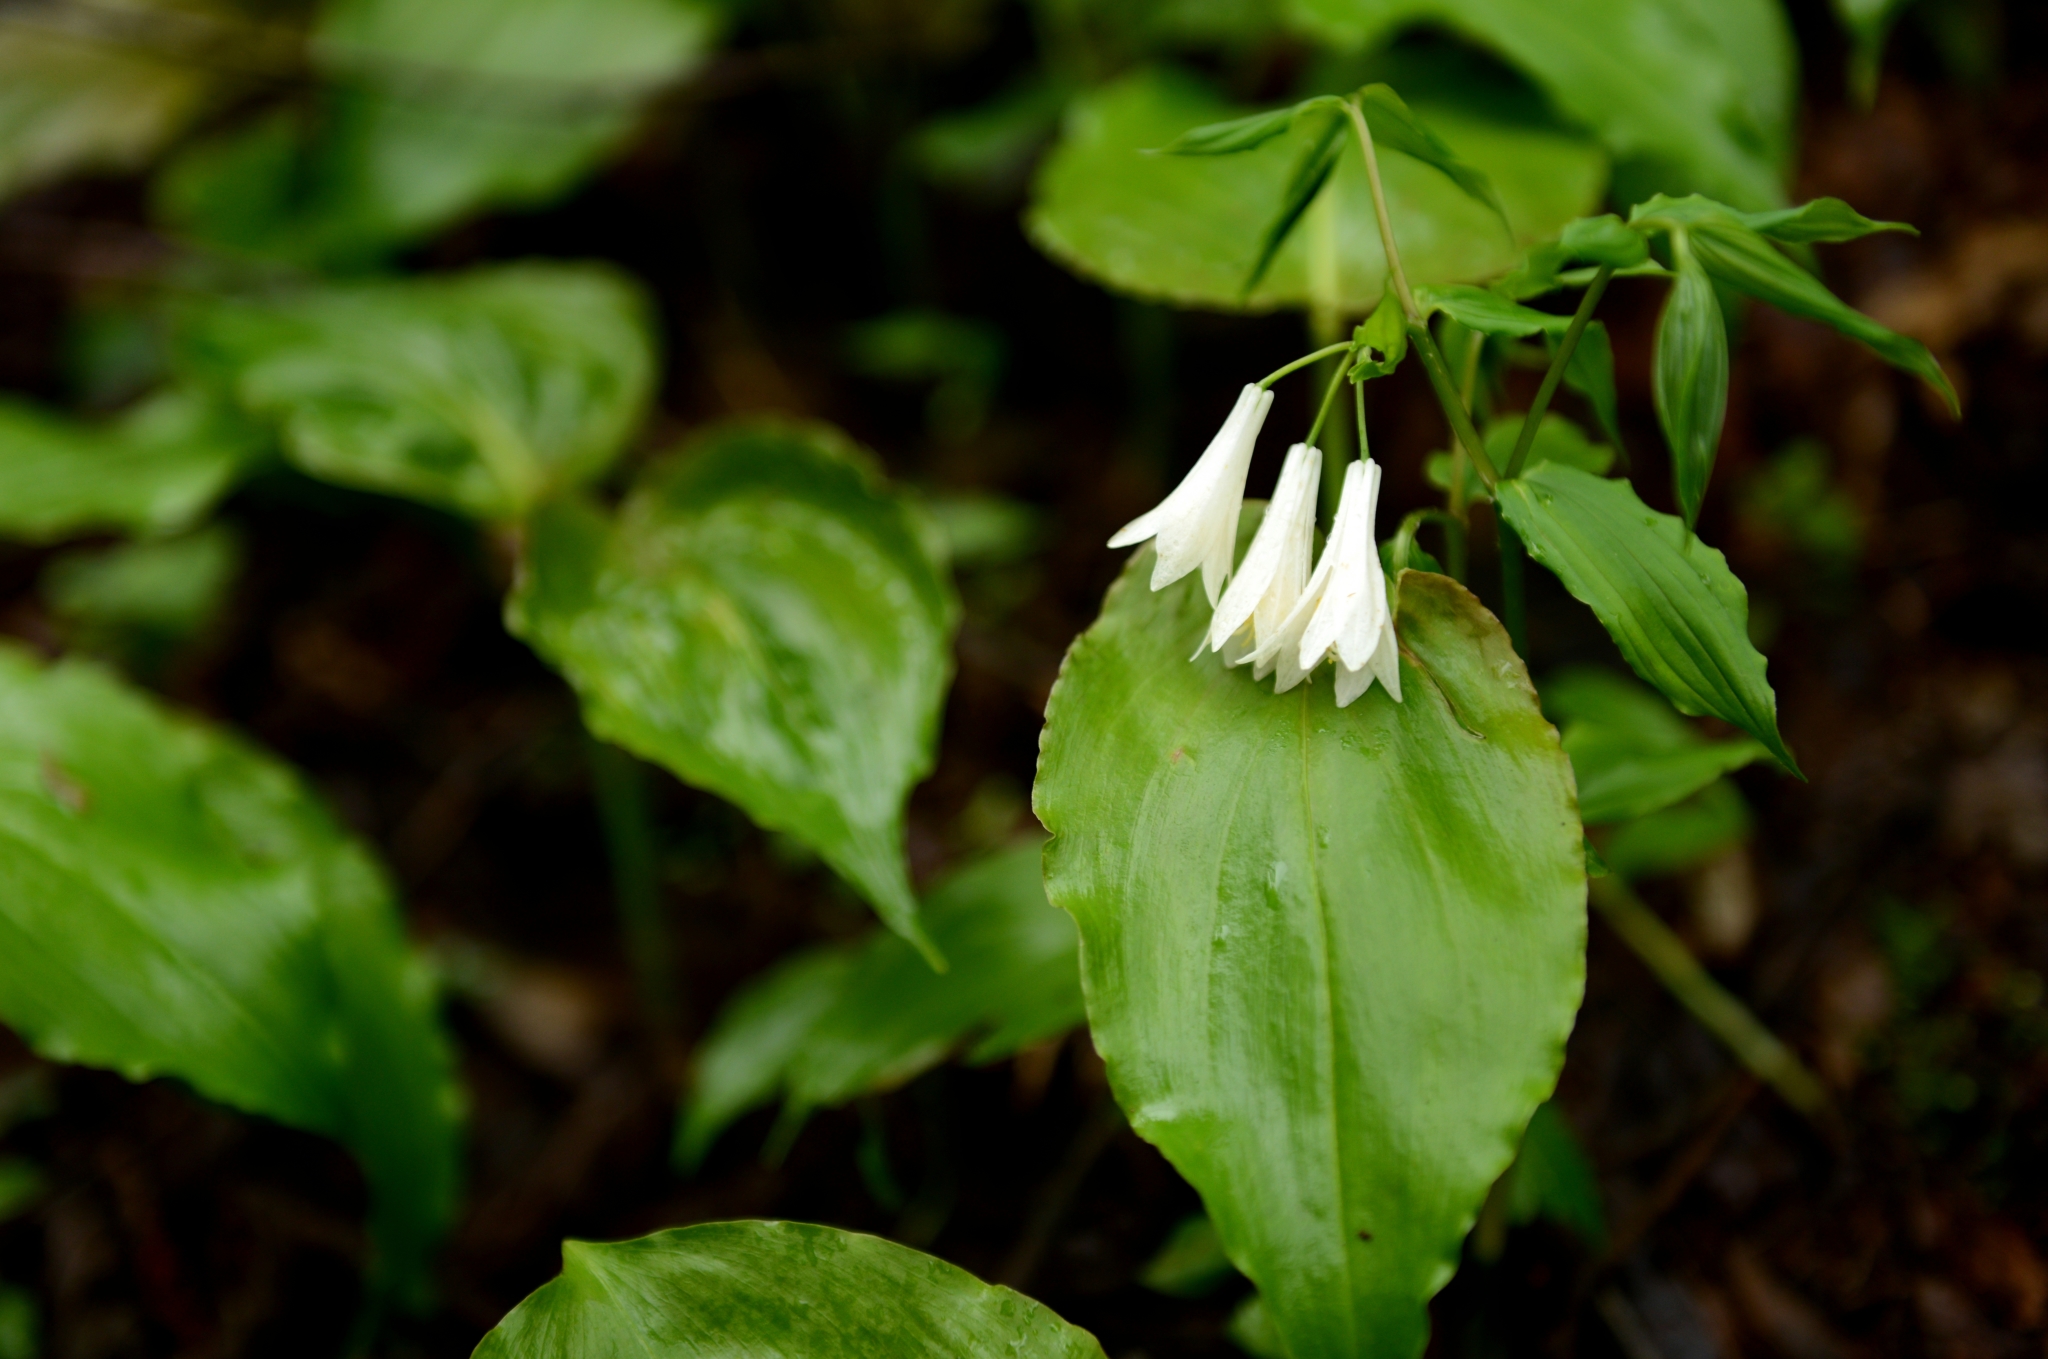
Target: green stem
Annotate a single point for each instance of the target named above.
(1304, 361)
(1727, 1018)
(621, 786)
(1447, 396)
(1558, 363)
(1379, 211)
(1323, 411)
(1514, 610)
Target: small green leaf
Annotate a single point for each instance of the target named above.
(1397, 127)
(1252, 1330)
(1312, 171)
(1677, 612)
(179, 905)
(777, 1290)
(1690, 381)
(1739, 257)
(1242, 134)
(1680, 837)
(1619, 780)
(1190, 1263)
(830, 1025)
(1487, 312)
(1604, 241)
(155, 470)
(1554, 1180)
(1820, 221)
(1591, 374)
(483, 393)
(1381, 341)
(168, 588)
(767, 621)
(1295, 918)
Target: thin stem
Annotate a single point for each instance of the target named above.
(1379, 210)
(1558, 363)
(1323, 411)
(1455, 497)
(1727, 1018)
(621, 786)
(1447, 397)
(1304, 361)
(1358, 394)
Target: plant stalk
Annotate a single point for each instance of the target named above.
(1727, 1018)
(1447, 396)
(1379, 210)
(1304, 361)
(1323, 411)
(1558, 363)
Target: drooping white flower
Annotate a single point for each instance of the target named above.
(1196, 525)
(1343, 612)
(1275, 566)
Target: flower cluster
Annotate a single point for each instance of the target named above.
(1277, 614)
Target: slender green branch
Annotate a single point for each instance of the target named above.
(1323, 411)
(1447, 397)
(1455, 496)
(1558, 363)
(1358, 395)
(1304, 361)
(1727, 1018)
(1379, 210)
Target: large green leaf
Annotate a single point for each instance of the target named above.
(1697, 94)
(483, 392)
(435, 111)
(1187, 229)
(1677, 612)
(76, 96)
(769, 622)
(155, 470)
(772, 1290)
(1330, 955)
(178, 904)
(826, 1026)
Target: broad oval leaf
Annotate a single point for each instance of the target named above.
(179, 905)
(773, 1290)
(155, 470)
(1677, 612)
(1698, 96)
(1690, 382)
(1330, 955)
(1188, 230)
(767, 621)
(827, 1024)
(482, 393)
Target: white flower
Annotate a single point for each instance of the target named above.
(1276, 566)
(1343, 611)
(1197, 524)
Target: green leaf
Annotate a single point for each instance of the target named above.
(1252, 1330)
(71, 99)
(1188, 230)
(1690, 382)
(1243, 134)
(1190, 1263)
(433, 112)
(179, 905)
(1687, 95)
(776, 1290)
(1295, 919)
(1591, 374)
(157, 469)
(829, 1025)
(1619, 780)
(1487, 312)
(1554, 1180)
(767, 621)
(1604, 241)
(1318, 161)
(483, 393)
(169, 588)
(1822, 220)
(1396, 127)
(1743, 260)
(1677, 612)
(1681, 837)
(1381, 340)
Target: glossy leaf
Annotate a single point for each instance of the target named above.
(155, 470)
(1690, 382)
(828, 1025)
(1669, 601)
(483, 392)
(179, 905)
(1822, 219)
(1295, 919)
(72, 100)
(1599, 241)
(433, 112)
(773, 1290)
(767, 621)
(1488, 312)
(1243, 134)
(1384, 337)
(1187, 229)
(1688, 95)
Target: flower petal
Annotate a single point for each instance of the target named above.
(1264, 574)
